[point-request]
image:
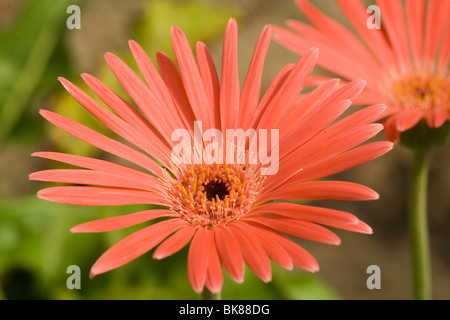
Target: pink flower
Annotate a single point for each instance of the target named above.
(405, 62)
(226, 212)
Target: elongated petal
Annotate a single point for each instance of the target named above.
(271, 93)
(390, 129)
(229, 82)
(191, 78)
(274, 250)
(336, 34)
(395, 29)
(230, 253)
(151, 105)
(325, 190)
(100, 141)
(135, 245)
(175, 242)
(173, 81)
(307, 213)
(214, 275)
(299, 256)
(210, 80)
(100, 196)
(437, 118)
(327, 143)
(308, 105)
(407, 119)
(113, 122)
(297, 228)
(99, 166)
(198, 258)
(356, 13)
(128, 113)
(360, 227)
(252, 85)
(91, 177)
(437, 25)
(415, 18)
(253, 253)
(120, 222)
(342, 162)
(291, 88)
(321, 116)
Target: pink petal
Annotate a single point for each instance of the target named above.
(100, 196)
(157, 85)
(408, 118)
(161, 116)
(390, 129)
(120, 222)
(415, 11)
(113, 122)
(99, 166)
(252, 85)
(360, 227)
(327, 143)
(230, 253)
(90, 177)
(320, 115)
(335, 34)
(342, 162)
(307, 213)
(291, 88)
(191, 78)
(100, 141)
(308, 105)
(198, 258)
(173, 81)
(229, 82)
(394, 24)
(375, 39)
(175, 242)
(253, 253)
(436, 28)
(311, 124)
(297, 228)
(274, 250)
(210, 80)
(135, 245)
(214, 276)
(299, 256)
(437, 118)
(322, 190)
(127, 112)
(271, 92)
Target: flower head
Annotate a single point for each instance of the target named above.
(224, 164)
(405, 61)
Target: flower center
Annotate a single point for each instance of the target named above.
(421, 92)
(216, 194)
(215, 189)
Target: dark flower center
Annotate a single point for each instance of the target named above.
(215, 188)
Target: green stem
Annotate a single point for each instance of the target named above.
(208, 295)
(418, 226)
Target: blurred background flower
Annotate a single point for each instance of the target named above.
(36, 246)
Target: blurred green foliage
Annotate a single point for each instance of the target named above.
(25, 51)
(36, 246)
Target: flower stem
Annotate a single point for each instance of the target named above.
(418, 226)
(208, 295)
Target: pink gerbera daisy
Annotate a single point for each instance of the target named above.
(405, 62)
(229, 213)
